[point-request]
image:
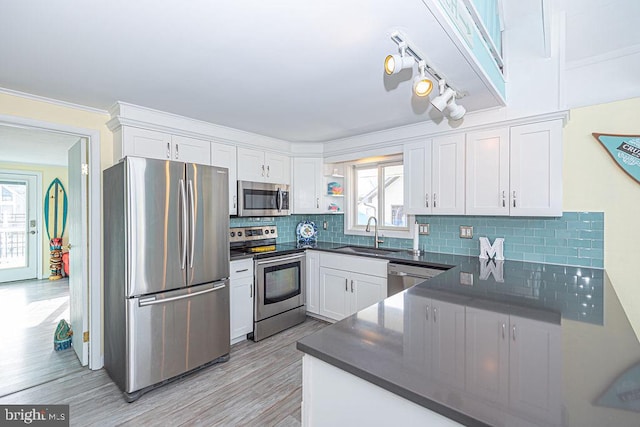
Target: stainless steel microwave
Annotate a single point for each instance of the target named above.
(262, 199)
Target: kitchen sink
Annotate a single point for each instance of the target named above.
(367, 250)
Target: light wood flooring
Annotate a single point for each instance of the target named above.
(259, 386)
(29, 313)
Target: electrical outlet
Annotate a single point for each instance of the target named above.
(325, 225)
(466, 232)
(423, 229)
(466, 278)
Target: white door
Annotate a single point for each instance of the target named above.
(78, 249)
(417, 176)
(487, 191)
(448, 175)
(334, 300)
(366, 290)
(18, 226)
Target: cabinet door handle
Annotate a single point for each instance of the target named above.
(435, 314)
(351, 285)
(168, 150)
(503, 199)
(235, 198)
(267, 171)
(346, 285)
(426, 200)
(513, 332)
(262, 170)
(504, 327)
(176, 151)
(427, 313)
(514, 198)
(434, 199)
(318, 202)
(251, 291)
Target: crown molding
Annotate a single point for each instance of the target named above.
(389, 139)
(52, 101)
(125, 114)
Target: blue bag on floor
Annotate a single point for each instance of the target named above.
(62, 337)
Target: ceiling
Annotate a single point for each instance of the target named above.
(32, 146)
(290, 69)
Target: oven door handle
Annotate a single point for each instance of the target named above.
(280, 259)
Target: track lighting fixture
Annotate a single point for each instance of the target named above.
(393, 64)
(422, 86)
(445, 102)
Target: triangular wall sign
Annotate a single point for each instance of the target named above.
(624, 393)
(625, 150)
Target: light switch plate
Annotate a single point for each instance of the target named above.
(423, 229)
(466, 232)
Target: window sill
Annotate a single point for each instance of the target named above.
(398, 234)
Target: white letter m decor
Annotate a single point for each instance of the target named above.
(495, 251)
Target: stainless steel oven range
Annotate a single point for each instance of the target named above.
(278, 281)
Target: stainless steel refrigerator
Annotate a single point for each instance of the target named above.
(166, 270)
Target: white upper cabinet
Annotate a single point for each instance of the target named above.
(224, 155)
(515, 171)
(158, 145)
(191, 150)
(448, 175)
(307, 185)
(536, 169)
(261, 166)
(487, 191)
(434, 176)
(417, 177)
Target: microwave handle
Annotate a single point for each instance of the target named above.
(279, 200)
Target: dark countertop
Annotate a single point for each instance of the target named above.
(592, 344)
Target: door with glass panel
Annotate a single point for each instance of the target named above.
(18, 226)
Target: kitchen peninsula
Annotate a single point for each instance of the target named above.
(512, 343)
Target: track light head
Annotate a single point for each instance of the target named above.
(422, 86)
(455, 111)
(440, 102)
(393, 64)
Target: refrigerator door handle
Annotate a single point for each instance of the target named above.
(192, 237)
(153, 300)
(184, 224)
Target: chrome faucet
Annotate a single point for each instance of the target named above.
(376, 241)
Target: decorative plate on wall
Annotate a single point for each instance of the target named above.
(307, 233)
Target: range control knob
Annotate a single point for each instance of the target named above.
(273, 231)
(239, 233)
(266, 231)
(233, 234)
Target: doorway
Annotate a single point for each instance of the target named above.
(90, 325)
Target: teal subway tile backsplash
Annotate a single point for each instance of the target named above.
(576, 238)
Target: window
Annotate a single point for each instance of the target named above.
(379, 192)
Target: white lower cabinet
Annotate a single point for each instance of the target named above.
(515, 362)
(350, 283)
(439, 328)
(241, 299)
(313, 282)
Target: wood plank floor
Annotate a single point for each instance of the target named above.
(259, 386)
(29, 313)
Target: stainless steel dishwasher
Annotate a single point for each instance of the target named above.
(404, 276)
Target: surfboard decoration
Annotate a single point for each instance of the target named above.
(625, 150)
(624, 393)
(55, 209)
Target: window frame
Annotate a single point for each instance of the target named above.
(350, 218)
